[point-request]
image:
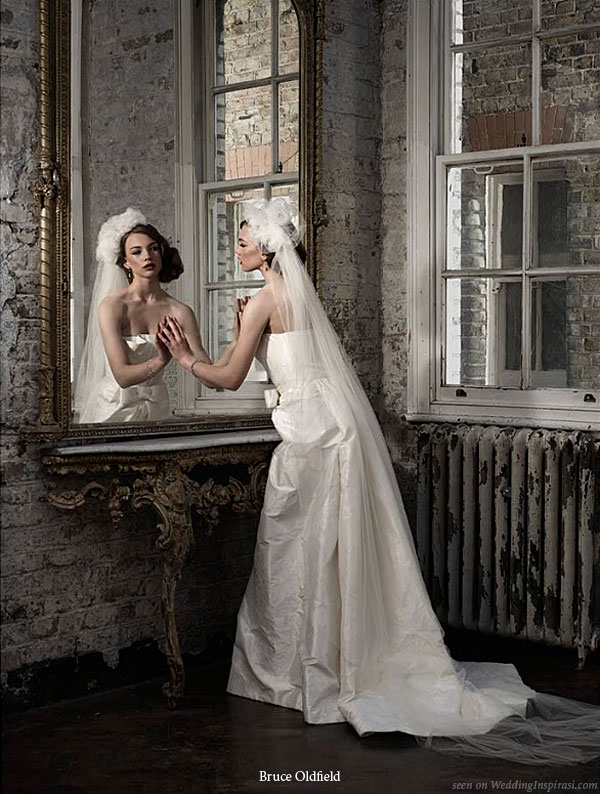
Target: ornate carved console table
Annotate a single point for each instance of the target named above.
(168, 475)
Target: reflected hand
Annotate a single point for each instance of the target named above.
(164, 354)
(172, 335)
(237, 323)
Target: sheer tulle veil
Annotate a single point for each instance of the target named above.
(395, 671)
(109, 278)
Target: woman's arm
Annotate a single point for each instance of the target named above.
(126, 374)
(231, 374)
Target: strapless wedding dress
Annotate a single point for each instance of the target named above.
(145, 402)
(336, 620)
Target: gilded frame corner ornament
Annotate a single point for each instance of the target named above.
(52, 189)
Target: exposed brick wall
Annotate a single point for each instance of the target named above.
(400, 436)
(352, 182)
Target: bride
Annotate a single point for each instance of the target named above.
(120, 376)
(336, 620)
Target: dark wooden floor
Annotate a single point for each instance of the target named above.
(126, 741)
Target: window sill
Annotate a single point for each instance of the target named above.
(546, 418)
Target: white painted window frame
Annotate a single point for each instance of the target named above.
(429, 134)
(195, 182)
(496, 352)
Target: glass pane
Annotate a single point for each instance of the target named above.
(243, 133)
(548, 333)
(560, 13)
(492, 98)
(243, 40)
(289, 127)
(223, 307)
(478, 20)
(509, 320)
(571, 88)
(226, 211)
(567, 212)
(474, 240)
(582, 318)
(291, 193)
(289, 38)
(483, 332)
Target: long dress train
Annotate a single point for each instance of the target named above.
(336, 620)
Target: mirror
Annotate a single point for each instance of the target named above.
(185, 112)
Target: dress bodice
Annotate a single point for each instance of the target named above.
(288, 359)
(145, 401)
(140, 348)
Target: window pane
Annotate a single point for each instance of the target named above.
(243, 133)
(243, 40)
(289, 129)
(478, 20)
(571, 88)
(492, 98)
(509, 298)
(567, 212)
(291, 193)
(473, 240)
(582, 302)
(483, 332)
(225, 214)
(289, 38)
(559, 14)
(548, 337)
(223, 307)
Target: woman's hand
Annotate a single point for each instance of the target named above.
(237, 323)
(163, 352)
(172, 335)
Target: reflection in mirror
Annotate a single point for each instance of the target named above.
(120, 377)
(122, 145)
(123, 155)
(250, 143)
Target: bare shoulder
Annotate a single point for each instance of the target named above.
(260, 307)
(263, 300)
(113, 303)
(180, 310)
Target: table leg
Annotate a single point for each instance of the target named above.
(175, 556)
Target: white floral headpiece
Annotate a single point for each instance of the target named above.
(272, 224)
(111, 232)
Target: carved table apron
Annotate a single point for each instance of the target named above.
(155, 473)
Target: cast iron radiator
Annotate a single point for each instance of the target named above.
(508, 531)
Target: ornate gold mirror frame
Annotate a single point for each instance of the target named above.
(53, 189)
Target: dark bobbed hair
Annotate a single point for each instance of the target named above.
(172, 266)
(291, 230)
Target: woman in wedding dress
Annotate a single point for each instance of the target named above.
(336, 621)
(121, 371)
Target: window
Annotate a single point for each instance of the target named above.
(506, 235)
(247, 65)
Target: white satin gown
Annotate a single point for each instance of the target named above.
(144, 402)
(336, 620)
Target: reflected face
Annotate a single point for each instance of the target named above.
(143, 255)
(248, 253)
